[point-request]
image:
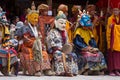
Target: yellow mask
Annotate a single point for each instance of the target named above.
(33, 18)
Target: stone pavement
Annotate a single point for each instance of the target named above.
(79, 77)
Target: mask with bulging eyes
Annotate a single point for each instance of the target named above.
(85, 21)
(60, 24)
(33, 18)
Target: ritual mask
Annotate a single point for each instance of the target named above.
(60, 21)
(33, 18)
(60, 24)
(85, 21)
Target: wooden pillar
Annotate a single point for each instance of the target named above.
(49, 2)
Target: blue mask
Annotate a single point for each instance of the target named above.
(85, 21)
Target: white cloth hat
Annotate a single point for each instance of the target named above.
(19, 24)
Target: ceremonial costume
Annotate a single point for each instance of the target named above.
(64, 63)
(33, 58)
(113, 45)
(8, 54)
(85, 46)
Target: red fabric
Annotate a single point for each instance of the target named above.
(113, 56)
(113, 60)
(101, 3)
(112, 3)
(115, 4)
(63, 36)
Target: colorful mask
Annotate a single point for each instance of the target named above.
(3, 17)
(33, 18)
(60, 21)
(60, 24)
(85, 21)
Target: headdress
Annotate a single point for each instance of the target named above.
(60, 15)
(31, 10)
(84, 19)
(3, 19)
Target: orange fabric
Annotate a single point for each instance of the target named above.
(69, 32)
(42, 21)
(29, 43)
(31, 53)
(116, 44)
(45, 55)
(27, 49)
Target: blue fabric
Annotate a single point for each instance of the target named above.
(3, 51)
(92, 43)
(79, 42)
(19, 32)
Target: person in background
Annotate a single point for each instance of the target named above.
(113, 40)
(64, 8)
(46, 22)
(75, 12)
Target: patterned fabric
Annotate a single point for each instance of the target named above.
(12, 61)
(55, 44)
(71, 62)
(59, 66)
(3, 56)
(54, 39)
(45, 24)
(46, 62)
(32, 57)
(95, 60)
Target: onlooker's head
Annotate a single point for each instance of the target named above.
(43, 9)
(91, 9)
(75, 9)
(64, 8)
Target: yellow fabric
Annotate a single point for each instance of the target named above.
(108, 31)
(86, 34)
(116, 44)
(4, 30)
(7, 30)
(69, 32)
